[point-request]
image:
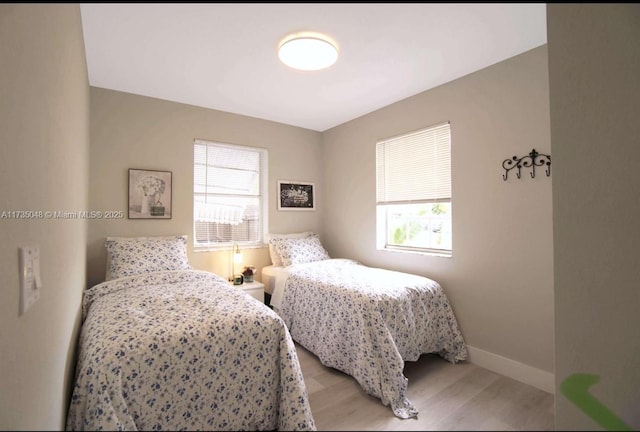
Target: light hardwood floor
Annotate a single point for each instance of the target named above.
(448, 396)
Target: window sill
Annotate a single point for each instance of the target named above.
(439, 254)
(226, 248)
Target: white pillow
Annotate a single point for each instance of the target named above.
(275, 256)
(128, 256)
(300, 250)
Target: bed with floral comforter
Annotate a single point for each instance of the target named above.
(367, 322)
(184, 350)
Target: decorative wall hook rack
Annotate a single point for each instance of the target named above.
(533, 159)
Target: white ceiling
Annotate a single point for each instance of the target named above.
(223, 55)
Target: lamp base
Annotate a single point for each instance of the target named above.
(238, 279)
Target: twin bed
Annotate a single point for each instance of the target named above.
(164, 346)
(360, 320)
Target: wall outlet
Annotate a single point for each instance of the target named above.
(30, 282)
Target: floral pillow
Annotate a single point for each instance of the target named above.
(273, 252)
(128, 256)
(300, 250)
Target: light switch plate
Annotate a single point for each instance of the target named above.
(30, 282)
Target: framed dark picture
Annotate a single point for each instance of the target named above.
(149, 194)
(294, 195)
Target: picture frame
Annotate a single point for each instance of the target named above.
(149, 194)
(296, 195)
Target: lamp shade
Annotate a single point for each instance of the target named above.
(237, 256)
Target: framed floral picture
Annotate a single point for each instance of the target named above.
(149, 194)
(294, 195)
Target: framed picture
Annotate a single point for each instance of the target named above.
(149, 194)
(294, 195)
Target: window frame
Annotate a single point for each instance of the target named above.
(262, 199)
(383, 206)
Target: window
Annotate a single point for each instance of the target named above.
(413, 188)
(229, 195)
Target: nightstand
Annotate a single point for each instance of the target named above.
(255, 289)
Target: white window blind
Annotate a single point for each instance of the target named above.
(229, 194)
(414, 167)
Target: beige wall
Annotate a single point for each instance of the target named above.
(594, 66)
(44, 145)
(130, 131)
(500, 278)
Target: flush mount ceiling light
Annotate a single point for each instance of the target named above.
(308, 51)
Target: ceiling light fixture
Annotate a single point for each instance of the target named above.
(308, 51)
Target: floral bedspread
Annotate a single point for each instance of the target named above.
(367, 322)
(184, 350)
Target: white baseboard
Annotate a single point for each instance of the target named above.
(538, 378)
